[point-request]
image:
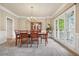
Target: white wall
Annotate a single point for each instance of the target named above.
(2, 37)
(3, 24)
(24, 23)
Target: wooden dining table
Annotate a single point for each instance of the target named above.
(29, 34)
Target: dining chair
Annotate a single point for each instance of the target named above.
(45, 37)
(39, 30)
(34, 37)
(23, 35)
(17, 34)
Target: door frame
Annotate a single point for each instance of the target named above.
(72, 44)
(12, 26)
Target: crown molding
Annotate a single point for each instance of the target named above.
(62, 9)
(58, 10)
(8, 11)
(12, 13)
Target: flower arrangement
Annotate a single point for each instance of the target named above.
(48, 27)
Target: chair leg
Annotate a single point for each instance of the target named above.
(41, 40)
(45, 42)
(20, 42)
(37, 43)
(31, 43)
(27, 43)
(16, 42)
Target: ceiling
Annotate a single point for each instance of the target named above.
(38, 10)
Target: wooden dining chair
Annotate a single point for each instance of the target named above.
(17, 34)
(45, 37)
(23, 35)
(34, 37)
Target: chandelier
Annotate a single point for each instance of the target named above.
(31, 17)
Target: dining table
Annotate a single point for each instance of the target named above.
(29, 33)
(40, 34)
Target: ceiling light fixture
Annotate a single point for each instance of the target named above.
(31, 13)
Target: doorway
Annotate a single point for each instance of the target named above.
(9, 28)
(71, 26)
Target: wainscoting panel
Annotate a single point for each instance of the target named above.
(3, 37)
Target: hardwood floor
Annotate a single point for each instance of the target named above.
(52, 49)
